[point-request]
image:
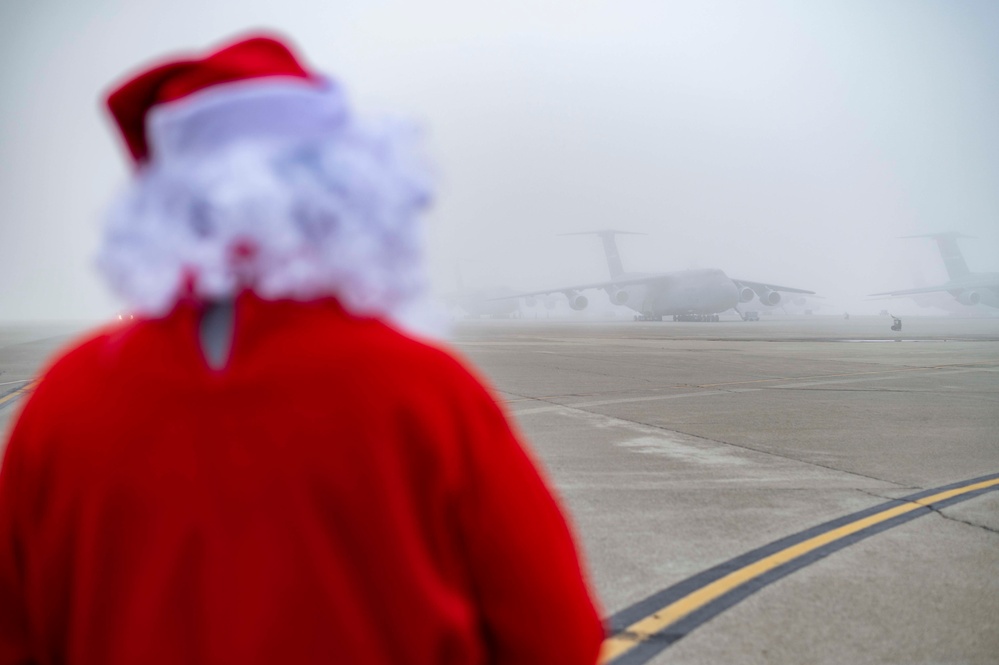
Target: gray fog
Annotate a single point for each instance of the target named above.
(789, 142)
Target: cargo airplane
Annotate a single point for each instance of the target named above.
(686, 295)
(968, 288)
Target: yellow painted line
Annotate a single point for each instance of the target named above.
(17, 393)
(644, 629)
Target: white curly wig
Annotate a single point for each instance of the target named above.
(273, 186)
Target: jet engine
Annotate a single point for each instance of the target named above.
(746, 294)
(618, 297)
(969, 297)
(577, 301)
(768, 297)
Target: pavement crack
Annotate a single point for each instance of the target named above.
(938, 511)
(944, 515)
(876, 495)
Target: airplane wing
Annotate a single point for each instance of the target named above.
(610, 284)
(771, 287)
(912, 292)
(982, 289)
(654, 279)
(981, 283)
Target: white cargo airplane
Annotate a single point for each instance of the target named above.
(968, 288)
(494, 302)
(686, 295)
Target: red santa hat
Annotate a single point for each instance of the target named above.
(250, 58)
(253, 173)
(255, 87)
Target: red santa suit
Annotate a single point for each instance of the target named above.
(337, 492)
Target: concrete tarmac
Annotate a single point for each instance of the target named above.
(681, 446)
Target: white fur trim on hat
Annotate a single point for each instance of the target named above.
(276, 108)
(274, 187)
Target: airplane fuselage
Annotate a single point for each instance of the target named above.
(706, 291)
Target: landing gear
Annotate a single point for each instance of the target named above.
(700, 318)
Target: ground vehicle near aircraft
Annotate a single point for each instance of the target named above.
(968, 288)
(686, 295)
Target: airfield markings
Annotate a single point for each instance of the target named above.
(10, 397)
(895, 370)
(644, 629)
(651, 625)
(854, 377)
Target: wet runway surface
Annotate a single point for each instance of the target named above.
(692, 454)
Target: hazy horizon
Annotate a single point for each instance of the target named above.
(787, 142)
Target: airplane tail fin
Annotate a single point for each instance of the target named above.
(949, 251)
(614, 264)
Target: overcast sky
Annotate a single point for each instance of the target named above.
(789, 142)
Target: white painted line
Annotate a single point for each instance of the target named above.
(10, 383)
(887, 377)
(630, 400)
(551, 408)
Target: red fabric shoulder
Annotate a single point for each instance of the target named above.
(336, 473)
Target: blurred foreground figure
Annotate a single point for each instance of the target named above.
(261, 467)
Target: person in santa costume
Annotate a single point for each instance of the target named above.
(267, 465)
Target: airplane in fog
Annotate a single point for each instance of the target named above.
(492, 302)
(797, 303)
(495, 303)
(968, 288)
(686, 295)
(498, 302)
